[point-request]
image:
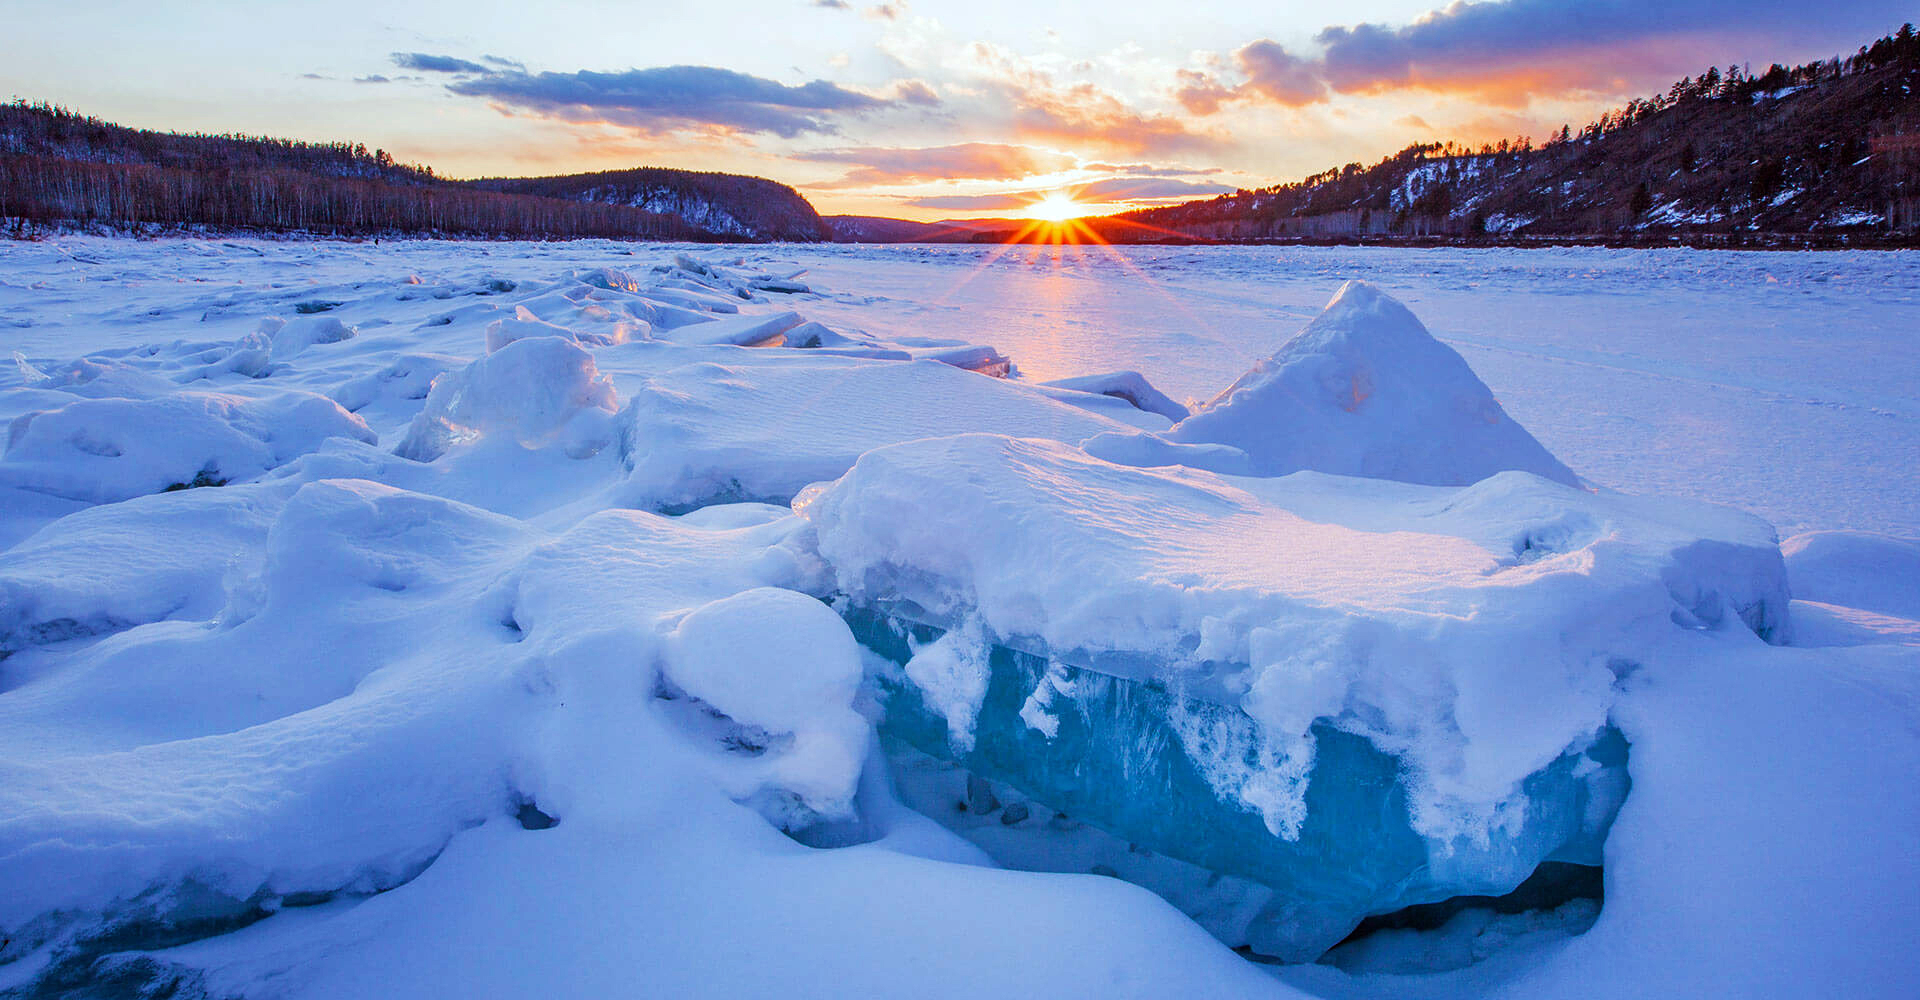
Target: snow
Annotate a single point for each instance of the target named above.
(1856, 569)
(1854, 216)
(411, 689)
(531, 391)
(1470, 630)
(785, 663)
(1671, 213)
(106, 450)
(1366, 390)
(290, 339)
(1130, 386)
(761, 426)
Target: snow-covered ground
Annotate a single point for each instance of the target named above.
(587, 619)
(1781, 383)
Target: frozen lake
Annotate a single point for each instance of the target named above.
(434, 618)
(1784, 383)
(1787, 384)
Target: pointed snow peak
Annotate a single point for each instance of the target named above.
(1365, 390)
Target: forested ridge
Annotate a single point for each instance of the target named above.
(59, 167)
(725, 204)
(1830, 147)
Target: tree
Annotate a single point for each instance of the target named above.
(1641, 201)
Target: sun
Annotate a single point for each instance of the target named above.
(1056, 207)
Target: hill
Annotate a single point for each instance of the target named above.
(58, 167)
(726, 205)
(876, 229)
(1824, 148)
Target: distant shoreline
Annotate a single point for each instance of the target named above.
(1800, 242)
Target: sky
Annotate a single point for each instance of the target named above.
(910, 108)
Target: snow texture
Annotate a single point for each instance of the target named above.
(345, 650)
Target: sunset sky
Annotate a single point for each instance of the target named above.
(908, 109)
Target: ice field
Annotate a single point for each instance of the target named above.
(586, 619)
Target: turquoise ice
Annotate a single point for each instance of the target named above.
(1117, 760)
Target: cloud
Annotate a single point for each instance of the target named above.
(1512, 51)
(504, 63)
(428, 63)
(674, 98)
(1279, 76)
(1085, 115)
(1016, 94)
(915, 92)
(373, 78)
(833, 4)
(1149, 170)
(878, 165)
(973, 202)
(1268, 73)
(1145, 188)
(1113, 189)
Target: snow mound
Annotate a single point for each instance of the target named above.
(1130, 386)
(107, 568)
(251, 356)
(93, 378)
(292, 339)
(1856, 569)
(764, 424)
(1153, 450)
(1365, 390)
(406, 380)
(739, 331)
(538, 391)
(107, 450)
(502, 332)
(1474, 632)
(127, 819)
(785, 664)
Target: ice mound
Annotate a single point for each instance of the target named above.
(538, 391)
(502, 332)
(1854, 588)
(785, 665)
(293, 338)
(144, 810)
(1856, 569)
(1148, 450)
(740, 331)
(107, 450)
(406, 380)
(1365, 390)
(1130, 386)
(107, 568)
(93, 378)
(1295, 660)
(762, 425)
(250, 356)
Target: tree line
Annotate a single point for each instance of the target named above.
(40, 191)
(1718, 133)
(59, 167)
